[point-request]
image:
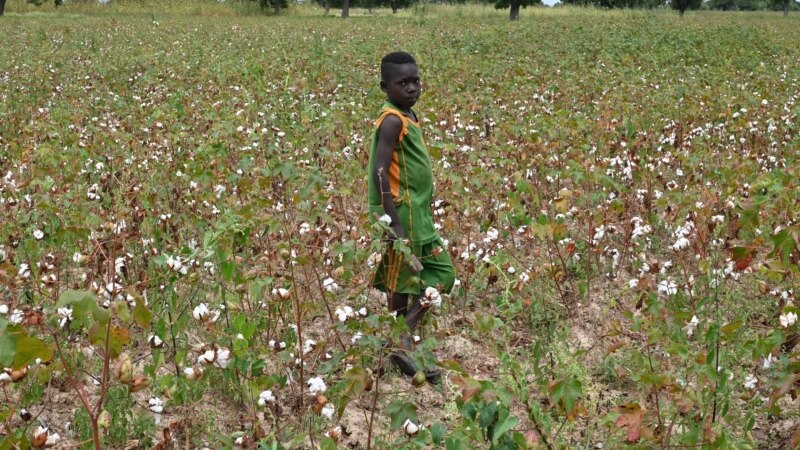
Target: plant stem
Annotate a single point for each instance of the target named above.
(374, 403)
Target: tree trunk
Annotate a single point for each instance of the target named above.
(681, 11)
(327, 7)
(2, 6)
(515, 9)
(277, 6)
(785, 8)
(345, 9)
(394, 6)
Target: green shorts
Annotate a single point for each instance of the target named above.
(395, 276)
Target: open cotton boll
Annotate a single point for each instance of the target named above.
(410, 428)
(200, 312)
(265, 397)
(327, 411)
(316, 386)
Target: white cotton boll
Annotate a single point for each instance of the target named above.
(667, 287)
(38, 234)
(327, 411)
(633, 283)
(750, 382)
(156, 405)
(4, 309)
(680, 244)
(65, 315)
(304, 228)
(265, 397)
(24, 271)
(512, 270)
(16, 317)
(192, 373)
(787, 320)
(200, 312)
(330, 285)
(281, 293)
(363, 312)
(5, 377)
(718, 218)
(219, 190)
(767, 362)
(374, 259)
(207, 357)
(316, 386)
(431, 297)
(119, 265)
(52, 439)
(691, 326)
(308, 346)
(385, 219)
(356, 337)
(223, 358)
(524, 277)
(410, 428)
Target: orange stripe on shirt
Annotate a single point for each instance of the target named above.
(394, 166)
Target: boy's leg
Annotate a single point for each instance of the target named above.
(415, 313)
(438, 271)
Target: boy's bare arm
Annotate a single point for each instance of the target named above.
(387, 138)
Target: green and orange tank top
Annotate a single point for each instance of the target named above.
(410, 179)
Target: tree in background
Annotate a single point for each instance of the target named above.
(277, 5)
(368, 4)
(41, 2)
(784, 5)
(682, 5)
(2, 6)
(617, 3)
(515, 5)
(723, 5)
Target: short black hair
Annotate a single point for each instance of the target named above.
(392, 59)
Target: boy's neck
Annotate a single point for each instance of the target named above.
(400, 108)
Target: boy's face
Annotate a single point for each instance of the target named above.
(403, 86)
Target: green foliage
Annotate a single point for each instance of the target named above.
(683, 5)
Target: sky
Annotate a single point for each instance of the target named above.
(550, 2)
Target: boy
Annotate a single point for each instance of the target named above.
(401, 187)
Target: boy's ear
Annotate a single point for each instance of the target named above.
(383, 86)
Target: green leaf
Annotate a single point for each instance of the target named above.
(100, 315)
(503, 426)
(453, 365)
(356, 380)
(117, 338)
(327, 444)
(437, 433)
(566, 392)
(226, 269)
(141, 315)
(81, 302)
(455, 444)
(400, 411)
(485, 322)
(8, 347)
(28, 349)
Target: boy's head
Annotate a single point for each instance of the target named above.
(400, 79)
